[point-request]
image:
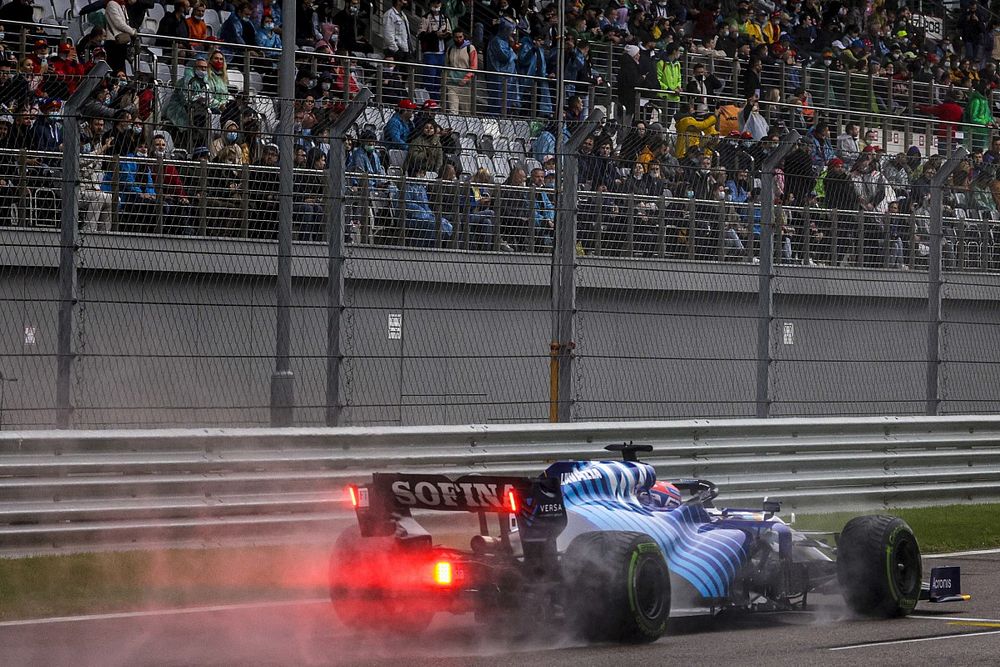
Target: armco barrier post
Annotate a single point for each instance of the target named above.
(282, 379)
(564, 270)
(765, 300)
(934, 280)
(69, 239)
(335, 244)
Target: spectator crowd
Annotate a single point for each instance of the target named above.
(684, 130)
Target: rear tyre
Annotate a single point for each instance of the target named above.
(878, 566)
(618, 587)
(358, 573)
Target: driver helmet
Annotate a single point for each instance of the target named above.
(665, 495)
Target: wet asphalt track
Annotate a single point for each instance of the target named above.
(307, 634)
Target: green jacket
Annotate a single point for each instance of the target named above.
(978, 112)
(669, 75)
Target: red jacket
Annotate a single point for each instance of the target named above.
(949, 112)
(68, 72)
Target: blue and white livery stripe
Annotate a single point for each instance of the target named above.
(604, 495)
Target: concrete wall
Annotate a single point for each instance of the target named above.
(181, 332)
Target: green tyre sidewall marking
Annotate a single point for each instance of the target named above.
(890, 547)
(640, 618)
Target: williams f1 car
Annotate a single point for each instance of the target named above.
(609, 550)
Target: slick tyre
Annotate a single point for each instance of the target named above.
(878, 566)
(358, 570)
(617, 587)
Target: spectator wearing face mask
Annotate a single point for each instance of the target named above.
(266, 36)
(435, 33)
(217, 79)
(188, 109)
(194, 27)
(351, 28)
(226, 148)
(47, 131)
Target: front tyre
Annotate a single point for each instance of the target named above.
(617, 587)
(878, 566)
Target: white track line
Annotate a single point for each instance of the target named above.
(956, 554)
(961, 635)
(162, 612)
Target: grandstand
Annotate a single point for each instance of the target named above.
(879, 98)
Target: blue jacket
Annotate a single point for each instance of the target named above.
(397, 131)
(46, 135)
(500, 55)
(545, 144)
(232, 31)
(530, 59)
(545, 210)
(129, 180)
(268, 39)
(362, 160)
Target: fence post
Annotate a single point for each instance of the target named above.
(69, 237)
(765, 299)
(564, 271)
(283, 379)
(934, 281)
(335, 244)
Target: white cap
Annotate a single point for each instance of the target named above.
(632, 50)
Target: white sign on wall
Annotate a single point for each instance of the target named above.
(932, 25)
(30, 334)
(395, 326)
(788, 334)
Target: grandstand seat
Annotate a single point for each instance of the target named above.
(396, 157)
(469, 164)
(236, 80)
(213, 21)
(61, 10)
(492, 127)
(420, 95)
(256, 81)
(531, 163)
(486, 144)
(484, 162)
(501, 168)
(475, 126)
(156, 12)
(468, 143)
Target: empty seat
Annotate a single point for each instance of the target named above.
(396, 157)
(213, 20)
(469, 164)
(256, 81)
(468, 143)
(501, 168)
(235, 79)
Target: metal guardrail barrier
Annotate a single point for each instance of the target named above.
(134, 489)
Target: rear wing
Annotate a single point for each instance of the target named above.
(535, 503)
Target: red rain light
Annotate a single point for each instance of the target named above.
(354, 495)
(442, 573)
(512, 501)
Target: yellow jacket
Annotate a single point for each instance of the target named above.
(690, 131)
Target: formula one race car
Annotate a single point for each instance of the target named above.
(610, 551)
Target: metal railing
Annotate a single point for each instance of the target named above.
(134, 489)
(206, 198)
